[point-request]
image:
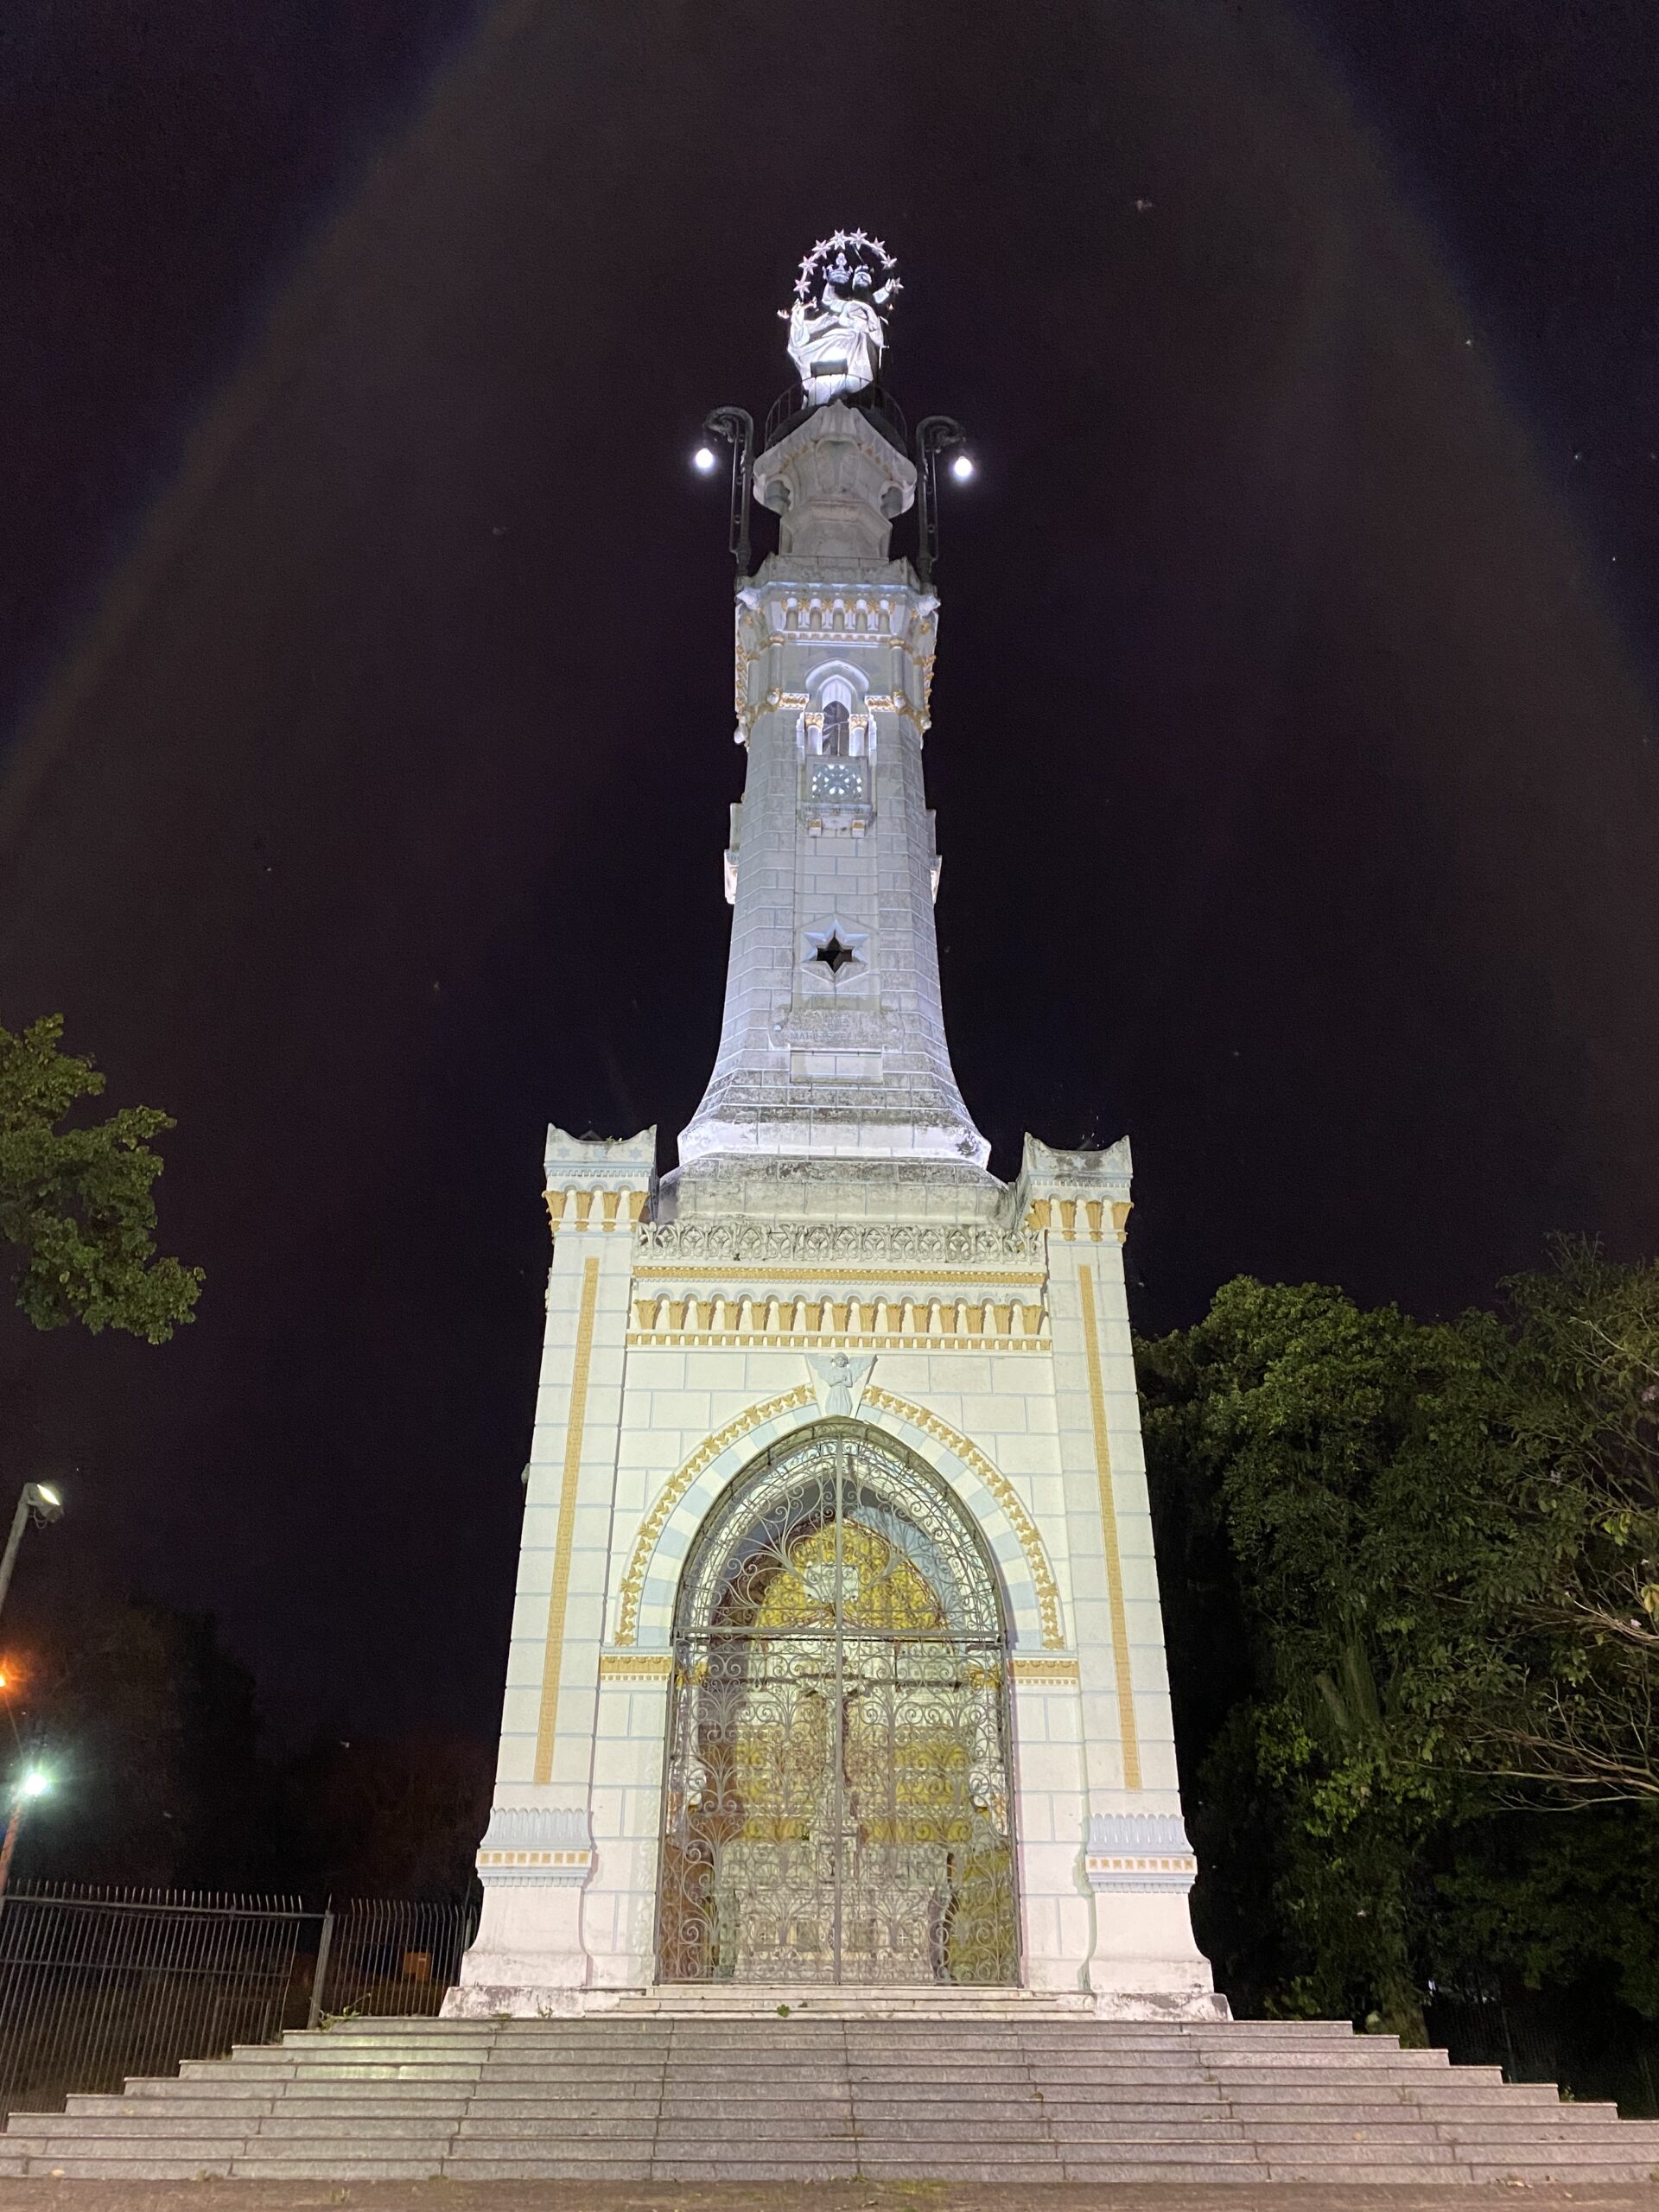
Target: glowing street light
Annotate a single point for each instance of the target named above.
(735, 427)
(934, 434)
(39, 1500)
(32, 1783)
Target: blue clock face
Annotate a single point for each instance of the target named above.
(838, 779)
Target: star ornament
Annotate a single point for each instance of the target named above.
(872, 260)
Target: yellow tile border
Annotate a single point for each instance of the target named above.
(1126, 1725)
(805, 1340)
(1044, 1670)
(553, 1654)
(534, 1858)
(634, 1666)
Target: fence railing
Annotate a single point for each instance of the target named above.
(384, 1956)
(98, 1985)
(1481, 2032)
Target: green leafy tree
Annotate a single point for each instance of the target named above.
(1347, 1461)
(1568, 1709)
(1435, 1550)
(76, 1197)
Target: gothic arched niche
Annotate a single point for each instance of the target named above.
(836, 1805)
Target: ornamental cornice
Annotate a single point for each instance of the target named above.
(907, 1244)
(1138, 1852)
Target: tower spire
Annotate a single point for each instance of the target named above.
(832, 1044)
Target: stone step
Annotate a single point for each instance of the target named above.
(956, 2093)
(221, 2150)
(410, 2094)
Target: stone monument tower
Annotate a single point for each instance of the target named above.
(837, 1656)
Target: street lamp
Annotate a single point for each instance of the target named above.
(40, 1501)
(934, 434)
(737, 426)
(30, 1784)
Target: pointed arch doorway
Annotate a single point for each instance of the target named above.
(837, 1801)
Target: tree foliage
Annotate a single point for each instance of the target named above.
(1571, 1713)
(1432, 1547)
(76, 1197)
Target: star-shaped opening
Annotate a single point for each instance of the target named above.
(833, 954)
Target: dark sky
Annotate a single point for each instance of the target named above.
(366, 670)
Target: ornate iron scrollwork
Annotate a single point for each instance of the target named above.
(837, 1804)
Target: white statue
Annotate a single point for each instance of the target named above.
(838, 1399)
(835, 336)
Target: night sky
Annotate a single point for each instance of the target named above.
(365, 672)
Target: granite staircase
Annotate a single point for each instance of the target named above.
(712, 2087)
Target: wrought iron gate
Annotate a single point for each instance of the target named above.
(836, 1806)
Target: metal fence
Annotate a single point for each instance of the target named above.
(98, 1985)
(1481, 2032)
(384, 1957)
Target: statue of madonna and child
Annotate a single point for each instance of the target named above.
(837, 333)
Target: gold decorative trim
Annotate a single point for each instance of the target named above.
(1042, 1575)
(1046, 1670)
(868, 1322)
(1091, 1220)
(613, 1212)
(553, 1654)
(684, 1340)
(633, 1582)
(534, 1858)
(634, 1666)
(1109, 1534)
(809, 1271)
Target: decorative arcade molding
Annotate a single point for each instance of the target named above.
(911, 1244)
(931, 1309)
(619, 1209)
(1091, 1219)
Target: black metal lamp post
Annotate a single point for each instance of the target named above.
(42, 1502)
(737, 426)
(934, 434)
